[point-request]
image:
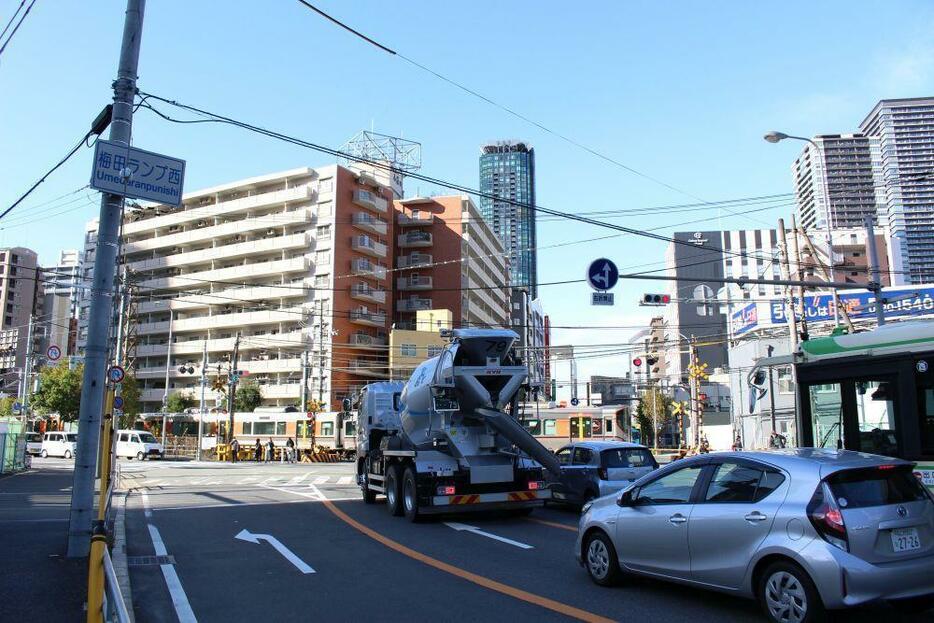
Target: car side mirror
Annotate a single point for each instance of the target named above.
(626, 498)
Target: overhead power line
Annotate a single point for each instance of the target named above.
(18, 24)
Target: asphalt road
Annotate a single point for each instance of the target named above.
(334, 558)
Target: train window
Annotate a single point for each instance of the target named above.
(350, 428)
(533, 426)
(280, 428)
(248, 428)
(327, 429)
(609, 424)
(550, 428)
(264, 428)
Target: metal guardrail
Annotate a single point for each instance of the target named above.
(114, 607)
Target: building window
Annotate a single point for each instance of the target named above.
(786, 382)
(326, 186)
(434, 351)
(327, 429)
(323, 232)
(550, 427)
(407, 350)
(323, 257)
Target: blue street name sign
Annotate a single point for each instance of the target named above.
(137, 173)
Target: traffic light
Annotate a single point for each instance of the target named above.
(651, 360)
(654, 300)
(637, 361)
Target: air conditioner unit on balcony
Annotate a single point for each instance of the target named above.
(174, 228)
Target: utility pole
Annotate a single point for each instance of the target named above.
(797, 253)
(771, 394)
(168, 365)
(304, 407)
(204, 385)
(27, 372)
(695, 400)
(232, 390)
(102, 286)
(648, 388)
(875, 282)
(789, 292)
(321, 329)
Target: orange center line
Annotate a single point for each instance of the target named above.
(553, 524)
(480, 580)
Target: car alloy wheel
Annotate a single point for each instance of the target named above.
(598, 559)
(786, 598)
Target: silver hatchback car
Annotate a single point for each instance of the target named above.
(800, 530)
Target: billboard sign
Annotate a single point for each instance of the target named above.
(745, 319)
(912, 301)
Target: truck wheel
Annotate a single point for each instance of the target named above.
(393, 491)
(410, 495)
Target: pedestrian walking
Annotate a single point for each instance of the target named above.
(234, 450)
(738, 444)
(291, 449)
(269, 450)
(258, 451)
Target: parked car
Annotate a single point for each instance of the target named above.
(800, 530)
(58, 443)
(33, 443)
(592, 469)
(138, 443)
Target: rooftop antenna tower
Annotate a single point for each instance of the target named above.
(401, 155)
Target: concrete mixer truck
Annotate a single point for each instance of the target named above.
(447, 440)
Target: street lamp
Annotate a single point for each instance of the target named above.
(774, 137)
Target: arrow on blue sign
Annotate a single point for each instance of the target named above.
(602, 274)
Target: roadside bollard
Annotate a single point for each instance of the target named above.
(96, 573)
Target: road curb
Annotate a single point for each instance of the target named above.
(121, 568)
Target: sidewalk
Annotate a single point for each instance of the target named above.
(37, 582)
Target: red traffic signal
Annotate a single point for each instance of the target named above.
(655, 299)
(637, 361)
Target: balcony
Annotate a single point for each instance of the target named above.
(236, 272)
(371, 201)
(189, 302)
(413, 304)
(365, 244)
(364, 292)
(414, 218)
(223, 320)
(366, 317)
(367, 367)
(414, 282)
(414, 239)
(372, 224)
(362, 267)
(238, 249)
(414, 259)
(366, 340)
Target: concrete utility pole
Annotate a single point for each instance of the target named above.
(168, 366)
(101, 309)
(789, 292)
(304, 407)
(232, 390)
(321, 353)
(875, 283)
(695, 399)
(800, 276)
(30, 332)
(204, 385)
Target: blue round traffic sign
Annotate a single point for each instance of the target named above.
(118, 402)
(115, 374)
(602, 274)
(575, 402)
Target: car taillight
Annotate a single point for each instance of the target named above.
(535, 484)
(446, 490)
(602, 473)
(827, 519)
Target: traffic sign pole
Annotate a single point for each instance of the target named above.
(102, 293)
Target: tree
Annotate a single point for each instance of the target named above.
(59, 391)
(129, 390)
(179, 401)
(248, 396)
(654, 410)
(6, 406)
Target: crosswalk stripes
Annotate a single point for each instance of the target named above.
(281, 481)
(345, 480)
(320, 480)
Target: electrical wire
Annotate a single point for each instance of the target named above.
(18, 24)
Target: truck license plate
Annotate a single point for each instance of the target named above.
(905, 539)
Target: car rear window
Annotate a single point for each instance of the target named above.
(627, 457)
(875, 486)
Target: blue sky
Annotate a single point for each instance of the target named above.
(680, 91)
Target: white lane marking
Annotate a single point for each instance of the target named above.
(157, 543)
(264, 503)
(246, 480)
(298, 479)
(313, 492)
(460, 527)
(320, 480)
(176, 592)
(146, 510)
(345, 480)
(213, 482)
(249, 537)
(179, 599)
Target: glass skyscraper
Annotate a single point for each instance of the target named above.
(507, 170)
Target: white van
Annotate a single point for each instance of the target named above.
(139, 444)
(58, 443)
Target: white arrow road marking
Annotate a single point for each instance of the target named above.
(460, 527)
(345, 480)
(320, 480)
(246, 535)
(298, 479)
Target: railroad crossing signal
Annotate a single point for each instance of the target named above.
(698, 371)
(679, 408)
(581, 426)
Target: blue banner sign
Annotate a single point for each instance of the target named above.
(862, 304)
(745, 319)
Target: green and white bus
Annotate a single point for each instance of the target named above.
(871, 392)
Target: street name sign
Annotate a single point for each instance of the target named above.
(602, 298)
(132, 172)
